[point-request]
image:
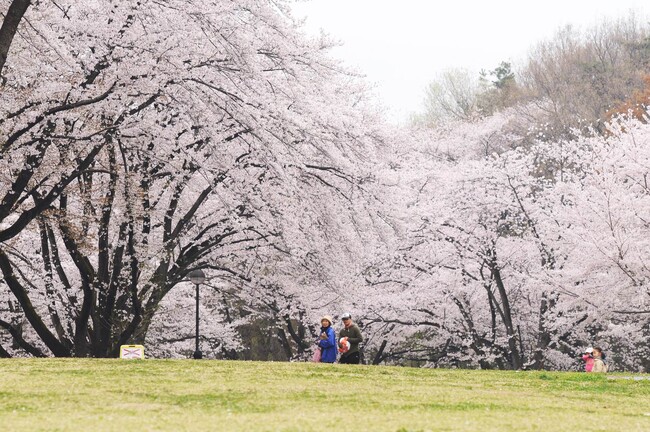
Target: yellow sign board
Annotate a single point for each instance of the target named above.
(130, 352)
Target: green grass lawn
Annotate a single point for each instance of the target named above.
(156, 395)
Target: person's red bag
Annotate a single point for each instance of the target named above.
(344, 345)
(317, 354)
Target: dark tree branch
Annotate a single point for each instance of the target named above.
(14, 16)
(57, 348)
(623, 312)
(54, 110)
(4, 353)
(42, 204)
(22, 343)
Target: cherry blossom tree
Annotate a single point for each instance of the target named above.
(141, 141)
(156, 138)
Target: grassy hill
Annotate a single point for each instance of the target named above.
(160, 395)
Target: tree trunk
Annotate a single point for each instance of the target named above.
(379, 357)
(515, 359)
(4, 353)
(543, 337)
(14, 15)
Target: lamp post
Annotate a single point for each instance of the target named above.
(197, 277)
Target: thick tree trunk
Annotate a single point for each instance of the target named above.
(49, 285)
(543, 336)
(379, 357)
(4, 353)
(302, 345)
(13, 17)
(515, 359)
(284, 341)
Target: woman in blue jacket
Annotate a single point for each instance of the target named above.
(327, 341)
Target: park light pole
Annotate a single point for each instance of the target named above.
(197, 277)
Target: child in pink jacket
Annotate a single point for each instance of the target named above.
(588, 358)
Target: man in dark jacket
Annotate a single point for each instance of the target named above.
(352, 332)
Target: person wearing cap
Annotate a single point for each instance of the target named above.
(327, 340)
(353, 334)
(588, 358)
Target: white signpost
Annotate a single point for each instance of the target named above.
(131, 352)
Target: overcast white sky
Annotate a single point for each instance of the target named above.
(401, 45)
